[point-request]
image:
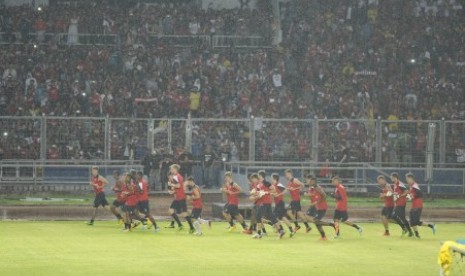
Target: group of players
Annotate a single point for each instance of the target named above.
(131, 205)
(264, 193)
(132, 199)
(395, 201)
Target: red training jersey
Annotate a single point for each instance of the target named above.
(279, 189)
(266, 198)
(132, 197)
(257, 188)
(295, 194)
(399, 188)
(316, 196)
(232, 199)
(98, 184)
(415, 193)
(119, 191)
(388, 200)
(179, 193)
(144, 190)
(341, 198)
(197, 203)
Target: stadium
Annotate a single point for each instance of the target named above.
(226, 137)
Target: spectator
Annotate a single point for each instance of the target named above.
(73, 34)
(209, 160)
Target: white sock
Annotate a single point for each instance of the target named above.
(196, 226)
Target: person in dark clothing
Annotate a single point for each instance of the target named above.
(208, 159)
(165, 163)
(186, 160)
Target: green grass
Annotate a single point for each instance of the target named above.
(73, 248)
(353, 201)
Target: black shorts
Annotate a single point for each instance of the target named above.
(387, 212)
(100, 200)
(316, 214)
(130, 209)
(399, 211)
(295, 206)
(231, 209)
(253, 214)
(143, 206)
(280, 210)
(341, 215)
(117, 203)
(311, 211)
(179, 206)
(415, 217)
(196, 213)
(265, 211)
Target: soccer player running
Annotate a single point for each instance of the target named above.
(119, 201)
(417, 206)
(143, 204)
(341, 214)
(400, 201)
(231, 209)
(318, 206)
(277, 191)
(178, 206)
(253, 182)
(387, 195)
(264, 214)
(130, 194)
(98, 184)
(295, 209)
(196, 197)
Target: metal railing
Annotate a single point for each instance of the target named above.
(214, 41)
(56, 175)
(60, 38)
(357, 177)
(378, 142)
(223, 41)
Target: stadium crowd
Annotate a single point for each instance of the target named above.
(337, 60)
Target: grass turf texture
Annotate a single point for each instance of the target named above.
(373, 202)
(73, 248)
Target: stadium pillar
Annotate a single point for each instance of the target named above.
(170, 137)
(429, 155)
(252, 139)
(315, 139)
(277, 34)
(188, 144)
(43, 138)
(379, 141)
(442, 142)
(107, 142)
(150, 127)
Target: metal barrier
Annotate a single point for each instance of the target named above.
(215, 41)
(223, 41)
(357, 177)
(60, 38)
(58, 175)
(181, 40)
(378, 142)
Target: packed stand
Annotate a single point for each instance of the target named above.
(338, 59)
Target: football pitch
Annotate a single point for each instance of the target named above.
(73, 248)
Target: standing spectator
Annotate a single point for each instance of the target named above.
(186, 160)
(209, 158)
(73, 33)
(40, 26)
(194, 26)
